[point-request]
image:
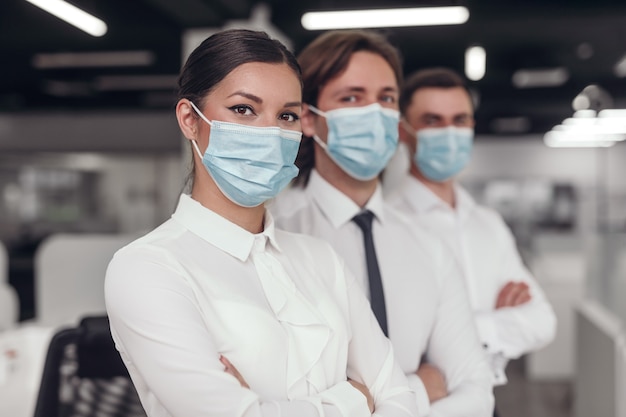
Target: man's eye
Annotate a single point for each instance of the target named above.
(462, 121)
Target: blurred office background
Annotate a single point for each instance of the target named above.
(89, 145)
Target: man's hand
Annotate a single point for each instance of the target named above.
(364, 391)
(230, 369)
(513, 294)
(433, 381)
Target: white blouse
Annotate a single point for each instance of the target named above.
(281, 307)
(487, 252)
(428, 314)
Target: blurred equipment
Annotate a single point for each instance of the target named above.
(84, 375)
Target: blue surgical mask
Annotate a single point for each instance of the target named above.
(361, 140)
(249, 164)
(442, 152)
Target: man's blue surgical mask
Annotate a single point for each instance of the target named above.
(442, 152)
(361, 140)
(249, 164)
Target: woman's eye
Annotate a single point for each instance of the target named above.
(289, 117)
(349, 99)
(242, 110)
(388, 99)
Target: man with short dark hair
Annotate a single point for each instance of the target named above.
(350, 130)
(511, 312)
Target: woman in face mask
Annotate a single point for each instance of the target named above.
(216, 312)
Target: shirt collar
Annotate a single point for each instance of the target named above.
(419, 196)
(220, 232)
(336, 206)
(465, 203)
(423, 199)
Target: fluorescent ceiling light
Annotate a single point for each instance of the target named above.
(586, 129)
(376, 18)
(475, 62)
(620, 68)
(556, 139)
(517, 125)
(136, 82)
(585, 114)
(93, 59)
(576, 144)
(72, 15)
(533, 78)
(613, 113)
(67, 88)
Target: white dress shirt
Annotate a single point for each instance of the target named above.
(486, 249)
(427, 309)
(279, 306)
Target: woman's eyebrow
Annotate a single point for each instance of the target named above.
(252, 97)
(293, 104)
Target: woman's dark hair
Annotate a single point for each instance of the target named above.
(224, 51)
(438, 77)
(326, 58)
(218, 55)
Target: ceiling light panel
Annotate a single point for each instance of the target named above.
(73, 15)
(93, 59)
(375, 18)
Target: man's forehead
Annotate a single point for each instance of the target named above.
(441, 100)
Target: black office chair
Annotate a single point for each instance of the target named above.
(84, 376)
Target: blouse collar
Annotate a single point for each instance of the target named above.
(220, 232)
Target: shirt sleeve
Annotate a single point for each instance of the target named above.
(159, 330)
(423, 402)
(514, 331)
(371, 360)
(454, 348)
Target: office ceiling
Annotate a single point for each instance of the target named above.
(583, 38)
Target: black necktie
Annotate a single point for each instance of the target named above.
(377, 295)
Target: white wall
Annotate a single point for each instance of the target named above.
(599, 174)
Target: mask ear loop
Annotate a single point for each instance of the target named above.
(203, 117)
(315, 137)
(195, 145)
(317, 111)
(407, 127)
(320, 142)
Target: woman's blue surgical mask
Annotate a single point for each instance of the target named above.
(442, 152)
(361, 140)
(249, 164)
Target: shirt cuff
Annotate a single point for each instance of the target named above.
(423, 403)
(494, 352)
(349, 401)
(498, 366)
(487, 333)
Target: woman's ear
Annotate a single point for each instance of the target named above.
(307, 121)
(187, 120)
